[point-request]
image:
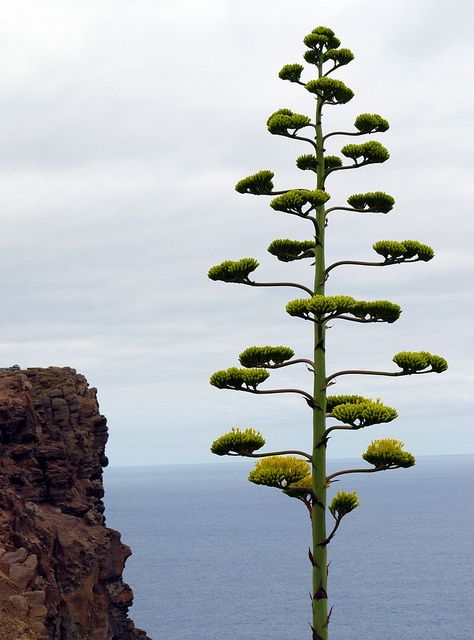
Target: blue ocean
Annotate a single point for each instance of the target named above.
(218, 558)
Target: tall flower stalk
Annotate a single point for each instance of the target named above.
(299, 474)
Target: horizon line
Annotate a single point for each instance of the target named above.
(215, 462)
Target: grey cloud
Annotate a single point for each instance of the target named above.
(123, 134)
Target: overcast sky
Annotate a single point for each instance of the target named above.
(124, 126)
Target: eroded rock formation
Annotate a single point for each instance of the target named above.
(60, 566)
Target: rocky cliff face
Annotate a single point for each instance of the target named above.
(60, 566)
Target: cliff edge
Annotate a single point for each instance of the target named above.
(60, 566)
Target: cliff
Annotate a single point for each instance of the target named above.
(60, 566)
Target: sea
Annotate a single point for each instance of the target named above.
(218, 558)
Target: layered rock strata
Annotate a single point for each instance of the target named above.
(60, 566)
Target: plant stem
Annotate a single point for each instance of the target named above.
(290, 452)
(365, 263)
(280, 284)
(345, 133)
(309, 399)
(371, 470)
(318, 512)
(363, 372)
(310, 363)
(333, 532)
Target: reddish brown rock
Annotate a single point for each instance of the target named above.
(61, 567)
(18, 605)
(22, 573)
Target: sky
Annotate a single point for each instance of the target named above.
(124, 127)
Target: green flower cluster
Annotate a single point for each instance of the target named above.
(374, 201)
(332, 162)
(284, 120)
(330, 90)
(334, 401)
(376, 311)
(288, 250)
(257, 184)
(291, 72)
(413, 361)
(371, 152)
(313, 56)
(371, 123)
(388, 453)
(405, 250)
(302, 489)
(321, 308)
(319, 39)
(307, 162)
(233, 270)
(279, 471)
(343, 503)
(238, 441)
(234, 378)
(363, 414)
(296, 201)
(341, 57)
(265, 356)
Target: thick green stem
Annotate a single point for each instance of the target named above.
(318, 514)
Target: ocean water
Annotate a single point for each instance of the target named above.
(218, 558)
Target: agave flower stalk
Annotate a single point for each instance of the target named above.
(301, 474)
